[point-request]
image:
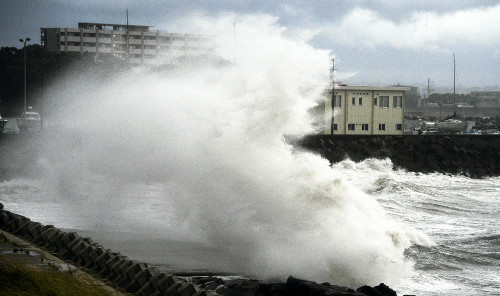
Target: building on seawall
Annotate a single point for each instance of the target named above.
(365, 110)
(136, 43)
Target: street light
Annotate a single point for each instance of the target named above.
(25, 40)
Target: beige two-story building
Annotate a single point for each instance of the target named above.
(365, 110)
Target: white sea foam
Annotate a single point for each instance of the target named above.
(197, 154)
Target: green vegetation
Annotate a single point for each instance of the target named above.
(19, 279)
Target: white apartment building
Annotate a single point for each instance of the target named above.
(365, 110)
(136, 43)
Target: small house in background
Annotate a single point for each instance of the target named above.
(365, 110)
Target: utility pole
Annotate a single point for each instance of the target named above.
(428, 87)
(42, 113)
(454, 75)
(25, 40)
(333, 97)
(234, 43)
(127, 36)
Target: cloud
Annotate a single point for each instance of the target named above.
(496, 55)
(421, 31)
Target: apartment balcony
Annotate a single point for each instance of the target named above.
(104, 50)
(149, 42)
(135, 51)
(89, 39)
(164, 48)
(105, 40)
(89, 49)
(73, 48)
(73, 38)
(134, 41)
(150, 51)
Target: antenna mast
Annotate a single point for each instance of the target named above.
(127, 34)
(333, 72)
(333, 97)
(234, 43)
(454, 75)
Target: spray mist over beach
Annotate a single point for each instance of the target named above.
(206, 140)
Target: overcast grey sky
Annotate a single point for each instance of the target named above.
(374, 42)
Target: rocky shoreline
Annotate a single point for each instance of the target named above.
(292, 287)
(147, 280)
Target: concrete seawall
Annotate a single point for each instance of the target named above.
(142, 279)
(471, 155)
(134, 277)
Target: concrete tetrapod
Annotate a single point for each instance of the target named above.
(139, 278)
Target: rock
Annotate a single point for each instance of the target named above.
(302, 287)
(380, 290)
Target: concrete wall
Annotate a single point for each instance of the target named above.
(134, 277)
(472, 155)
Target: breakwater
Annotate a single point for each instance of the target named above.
(132, 276)
(471, 155)
(143, 279)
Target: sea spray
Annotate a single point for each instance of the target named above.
(208, 139)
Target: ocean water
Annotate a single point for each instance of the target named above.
(187, 168)
(452, 222)
(460, 217)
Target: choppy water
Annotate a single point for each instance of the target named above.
(461, 217)
(186, 168)
(457, 251)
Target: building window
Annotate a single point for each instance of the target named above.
(399, 126)
(381, 126)
(350, 126)
(397, 101)
(337, 101)
(364, 126)
(375, 101)
(384, 102)
(334, 126)
(361, 101)
(353, 101)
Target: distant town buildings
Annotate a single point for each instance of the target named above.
(133, 42)
(365, 110)
(486, 99)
